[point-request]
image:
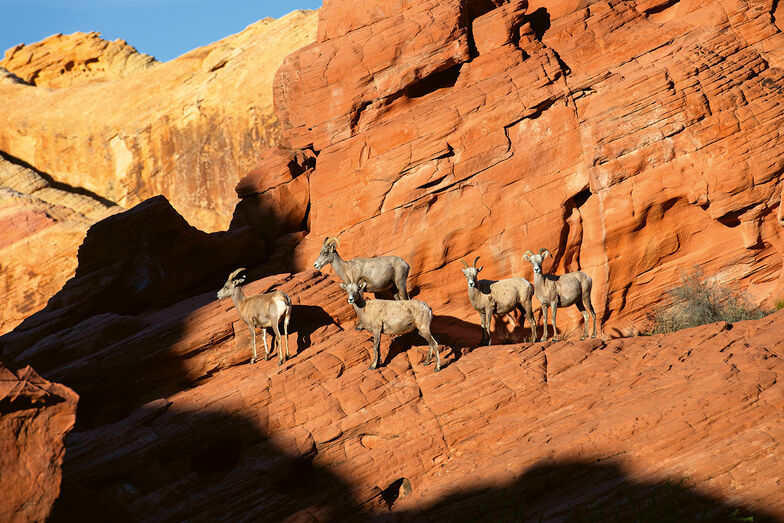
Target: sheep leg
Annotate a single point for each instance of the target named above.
(544, 322)
(425, 333)
(286, 329)
(488, 318)
(376, 350)
(555, 330)
(589, 306)
(402, 292)
(276, 330)
(253, 343)
(581, 308)
(529, 315)
(266, 347)
(484, 321)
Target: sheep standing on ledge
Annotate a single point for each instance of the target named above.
(381, 273)
(392, 317)
(261, 310)
(554, 291)
(498, 297)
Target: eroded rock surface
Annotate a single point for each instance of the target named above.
(632, 139)
(35, 416)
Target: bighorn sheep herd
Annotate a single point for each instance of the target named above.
(402, 315)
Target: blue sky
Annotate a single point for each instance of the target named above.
(164, 29)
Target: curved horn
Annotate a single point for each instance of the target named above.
(476, 260)
(236, 273)
(544, 252)
(332, 239)
(465, 265)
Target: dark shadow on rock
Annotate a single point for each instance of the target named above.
(584, 491)
(109, 332)
(305, 320)
(200, 465)
(540, 21)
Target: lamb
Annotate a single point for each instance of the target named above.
(498, 297)
(380, 273)
(554, 291)
(393, 317)
(261, 310)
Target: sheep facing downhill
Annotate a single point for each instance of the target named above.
(260, 310)
(393, 317)
(500, 297)
(381, 273)
(554, 291)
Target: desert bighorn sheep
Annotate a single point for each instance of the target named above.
(261, 310)
(498, 297)
(554, 291)
(393, 317)
(381, 273)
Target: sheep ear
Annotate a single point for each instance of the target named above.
(544, 252)
(362, 286)
(343, 286)
(480, 269)
(527, 255)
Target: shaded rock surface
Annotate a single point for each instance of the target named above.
(632, 139)
(35, 416)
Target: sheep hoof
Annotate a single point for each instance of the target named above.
(266, 357)
(556, 338)
(358, 327)
(252, 361)
(280, 362)
(373, 366)
(582, 338)
(438, 368)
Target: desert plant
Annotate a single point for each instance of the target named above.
(698, 301)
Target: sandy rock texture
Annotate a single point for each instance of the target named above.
(174, 424)
(632, 139)
(35, 416)
(43, 223)
(187, 129)
(75, 59)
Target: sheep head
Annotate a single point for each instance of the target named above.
(326, 255)
(235, 278)
(471, 273)
(355, 291)
(536, 259)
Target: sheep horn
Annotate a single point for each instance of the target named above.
(476, 260)
(332, 239)
(465, 265)
(236, 273)
(543, 250)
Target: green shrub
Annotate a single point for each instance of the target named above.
(698, 301)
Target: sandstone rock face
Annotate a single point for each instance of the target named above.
(632, 139)
(43, 224)
(75, 59)
(35, 416)
(175, 425)
(187, 129)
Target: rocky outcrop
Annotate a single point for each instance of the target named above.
(35, 416)
(174, 424)
(75, 59)
(632, 139)
(187, 129)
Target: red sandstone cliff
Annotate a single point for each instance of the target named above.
(633, 138)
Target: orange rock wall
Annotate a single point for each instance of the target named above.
(632, 139)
